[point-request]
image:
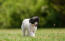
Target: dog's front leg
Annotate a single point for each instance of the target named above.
(32, 34)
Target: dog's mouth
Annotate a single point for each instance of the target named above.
(35, 24)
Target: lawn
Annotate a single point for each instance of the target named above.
(41, 35)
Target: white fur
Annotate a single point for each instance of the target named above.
(30, 28)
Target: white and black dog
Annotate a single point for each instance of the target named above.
(29, 26)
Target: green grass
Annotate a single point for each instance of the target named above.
(41, 35)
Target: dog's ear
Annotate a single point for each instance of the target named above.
(31, 20)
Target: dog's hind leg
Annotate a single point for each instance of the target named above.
(28, 32)
(23, 30)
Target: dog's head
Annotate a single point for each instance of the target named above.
(34, 20)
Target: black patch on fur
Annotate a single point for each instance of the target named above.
(34, 19)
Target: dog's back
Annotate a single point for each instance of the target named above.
(25, 23)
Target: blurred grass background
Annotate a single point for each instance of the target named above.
(41, 35)
(51, 12)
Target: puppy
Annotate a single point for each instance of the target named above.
(29, 26)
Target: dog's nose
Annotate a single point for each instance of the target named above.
(36, 24)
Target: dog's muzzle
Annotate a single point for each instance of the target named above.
(36, 24)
